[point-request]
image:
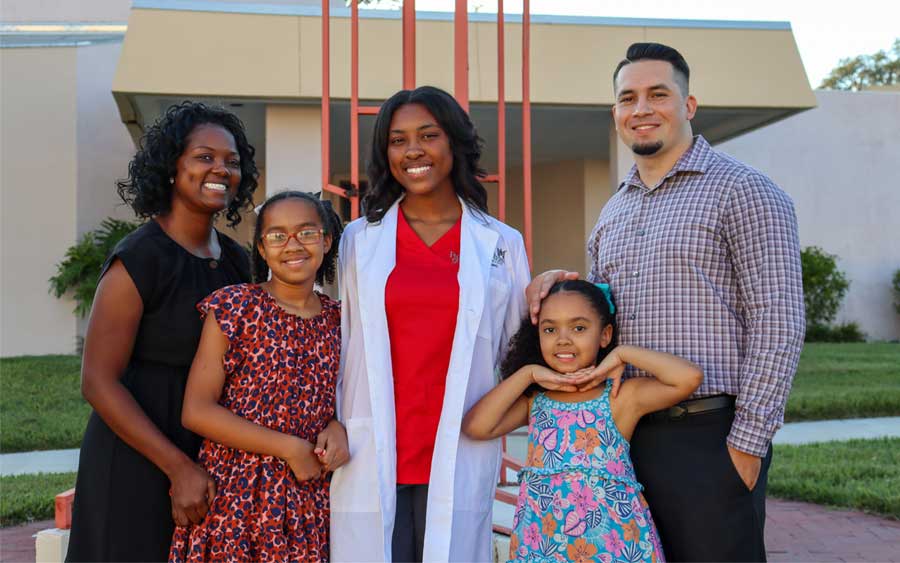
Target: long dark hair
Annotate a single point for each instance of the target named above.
(465, 145)
(331, 224)
(525, 346)
(147, 189)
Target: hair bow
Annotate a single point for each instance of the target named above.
(604, 287)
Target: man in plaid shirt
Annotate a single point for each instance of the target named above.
(702, 255)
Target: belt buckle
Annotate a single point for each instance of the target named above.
(678, 412)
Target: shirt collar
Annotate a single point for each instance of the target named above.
(695, 159)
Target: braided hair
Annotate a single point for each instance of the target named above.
(331, 224)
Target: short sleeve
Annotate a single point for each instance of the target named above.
(227, 306)
(141, 261)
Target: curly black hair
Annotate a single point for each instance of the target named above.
(147, 189)
(331, 224)
(525, 345)
(465, 144)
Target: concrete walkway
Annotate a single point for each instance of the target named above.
(50, 461)
(60, 461)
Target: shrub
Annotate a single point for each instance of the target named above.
(824, 286)
(896, 285)
(847, 332)
(79, 272)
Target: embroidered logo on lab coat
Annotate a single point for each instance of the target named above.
(499, 258)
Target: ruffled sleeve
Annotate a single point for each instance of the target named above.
(229, 306)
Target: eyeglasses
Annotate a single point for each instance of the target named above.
(306, 236)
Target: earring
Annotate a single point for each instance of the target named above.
(171, 180)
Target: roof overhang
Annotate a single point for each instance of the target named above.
(744, 74)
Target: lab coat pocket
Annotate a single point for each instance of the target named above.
(477, 471)
(354, 487)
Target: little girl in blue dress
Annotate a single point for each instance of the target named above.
(579, 499)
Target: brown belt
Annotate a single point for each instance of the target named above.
(694, 406)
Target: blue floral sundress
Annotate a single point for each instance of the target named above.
(579, 499)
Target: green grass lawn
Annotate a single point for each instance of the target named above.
(24, 498)
(853, 380)
(41, 407)
(857, 474)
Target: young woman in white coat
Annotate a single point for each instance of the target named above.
(431, 291)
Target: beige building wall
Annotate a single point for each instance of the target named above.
(38, 187)
(103, 145)
(293, 148)
(838, 163)
(565, 195)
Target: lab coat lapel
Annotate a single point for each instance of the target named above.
(376, 255)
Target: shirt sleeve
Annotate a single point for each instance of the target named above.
(226, 307)
(761, 232)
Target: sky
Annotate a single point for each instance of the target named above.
(825, 30)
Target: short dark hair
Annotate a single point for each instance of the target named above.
(465, 144)
(147, 189)
(331, 224)
(525, 345)
(657, 52)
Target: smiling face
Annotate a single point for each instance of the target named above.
(571, 332)
(208, 172)
(652, 113)
(419, 152)
(294, 263)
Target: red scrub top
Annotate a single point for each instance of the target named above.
(421, 302)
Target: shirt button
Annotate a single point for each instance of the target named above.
(632, 316)
(213, 264)
(635, 274)
(641, 232)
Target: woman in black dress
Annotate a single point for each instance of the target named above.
(137, 476)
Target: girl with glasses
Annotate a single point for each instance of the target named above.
(261, 392)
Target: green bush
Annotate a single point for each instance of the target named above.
(824, 286)
(79, 272)
(847, 332)
(896, 285)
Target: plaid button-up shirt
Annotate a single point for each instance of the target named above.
(706, 265)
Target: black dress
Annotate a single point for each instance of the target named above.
(122, 510)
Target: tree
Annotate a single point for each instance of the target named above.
(863, 71)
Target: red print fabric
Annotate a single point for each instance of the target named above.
(280, 373)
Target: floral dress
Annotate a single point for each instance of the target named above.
(579, 499)
(280, 372)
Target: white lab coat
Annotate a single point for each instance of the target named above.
(493, 273)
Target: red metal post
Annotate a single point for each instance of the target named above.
(526, 125)
(461, 54)
(409, 44)
(354, 107)
(326, 95)
(501, 117)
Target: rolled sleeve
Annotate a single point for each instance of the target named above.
(761, 228)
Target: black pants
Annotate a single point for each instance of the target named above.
(409, 523)
(702, 508)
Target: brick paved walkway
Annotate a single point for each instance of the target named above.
(795, 531)
(16, 543)
(798, 531)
